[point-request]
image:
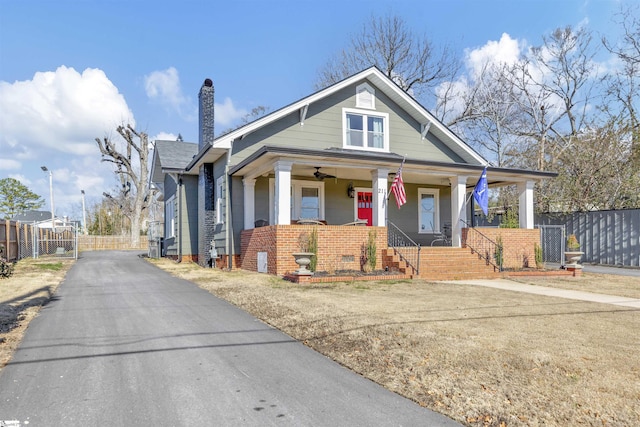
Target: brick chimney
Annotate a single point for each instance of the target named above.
(206, 113)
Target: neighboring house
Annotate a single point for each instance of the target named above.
(330, 157)
(43, 219)
(178, 192)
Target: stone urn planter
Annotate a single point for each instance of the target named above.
(573, 257)
(303, 259)
(572, 253)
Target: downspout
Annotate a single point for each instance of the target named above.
(179, 218)
(227, 198)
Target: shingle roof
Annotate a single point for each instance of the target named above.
(175, 154)
(32, 216)
(171, 155)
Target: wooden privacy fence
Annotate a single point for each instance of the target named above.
(17, 241)
(20, 240)
(9, 232)
(105, 243)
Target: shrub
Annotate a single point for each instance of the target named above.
(308, 242)
(6, 268)
(498, 254)
(510, 219)
(538, 252)
(370, 257)
(572, 242)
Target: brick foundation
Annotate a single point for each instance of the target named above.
(519, 244)
(339, 247)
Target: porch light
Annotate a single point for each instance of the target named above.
(350, 190)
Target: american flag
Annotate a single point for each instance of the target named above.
(397, 187)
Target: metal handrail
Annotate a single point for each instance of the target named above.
(487, 249)
(397, 239)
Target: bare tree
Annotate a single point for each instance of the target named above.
(554, 85)
(132, 170)
(623, 85)
(409, 59)
(491, 111)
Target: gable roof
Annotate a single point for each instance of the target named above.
(171, 156)
(211, 152)
(32, 216)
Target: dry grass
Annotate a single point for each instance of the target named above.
(622, 286)
(482, 356)
(31, 286)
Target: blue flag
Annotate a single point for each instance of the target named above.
(481, 192)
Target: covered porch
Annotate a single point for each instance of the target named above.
(282, 186)
(287, 191)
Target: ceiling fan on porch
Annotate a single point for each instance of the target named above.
(321, 175)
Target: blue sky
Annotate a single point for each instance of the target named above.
(71, 71)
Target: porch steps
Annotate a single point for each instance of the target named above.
(447, 263)
(443, 263)
(392, 261)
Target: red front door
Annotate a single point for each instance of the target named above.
(365, 206)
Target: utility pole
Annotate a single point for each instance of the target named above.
(84, 215)
(53, 217)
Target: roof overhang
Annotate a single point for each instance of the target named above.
(209, 154)
(357, 165)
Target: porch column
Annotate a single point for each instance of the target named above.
(525, 210)
(249, 203)
(458, 208)
(379, 189)
(283, 192)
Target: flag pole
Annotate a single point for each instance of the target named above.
(400, 168)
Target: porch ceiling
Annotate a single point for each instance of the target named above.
(355, 165)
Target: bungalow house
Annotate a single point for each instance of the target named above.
(323, 165)
(179, 194)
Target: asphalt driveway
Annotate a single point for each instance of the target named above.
(124, 343)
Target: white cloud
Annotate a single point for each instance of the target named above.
(504, 51)
(227, 113)
(164, 136)
(60, 110)
(9, 164)
(164, 86)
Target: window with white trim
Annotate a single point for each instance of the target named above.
(219, 204)
(307, 199)
(364, 130)
(170, 217)
(428, 210)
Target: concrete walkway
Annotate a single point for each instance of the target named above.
(509, 285)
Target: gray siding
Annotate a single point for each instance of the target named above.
(323, 129)
(406, 218)
(170, 244)
(189, 215)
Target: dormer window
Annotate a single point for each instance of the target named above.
(365, 96)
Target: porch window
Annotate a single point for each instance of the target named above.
(365, 131)
(310, 202)
(307, 200)
(428, 212)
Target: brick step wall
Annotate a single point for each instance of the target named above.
(444, 264)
